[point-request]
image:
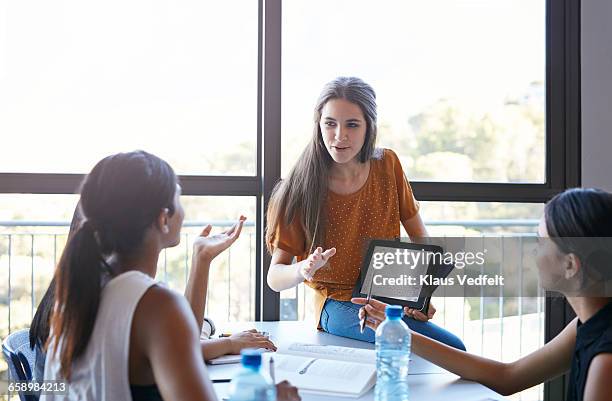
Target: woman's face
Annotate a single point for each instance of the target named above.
(175, 222)
(551, 262)
(343, 127)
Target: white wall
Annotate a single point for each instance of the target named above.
(597, 94)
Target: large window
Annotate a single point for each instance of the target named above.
(460, 84)
(81, 80)
(480, 99)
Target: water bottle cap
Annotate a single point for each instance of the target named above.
(251, 357)
(393, 311)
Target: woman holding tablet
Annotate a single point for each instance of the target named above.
(574, 258)
(341, 192)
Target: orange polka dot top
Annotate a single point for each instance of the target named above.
(375, 211)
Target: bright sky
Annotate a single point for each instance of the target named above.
(83, 79)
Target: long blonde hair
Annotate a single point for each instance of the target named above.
(305, 189)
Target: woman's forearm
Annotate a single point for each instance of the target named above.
(282, 277)
(197, 287)
(492, 374)
(215, 347)
(415, 228)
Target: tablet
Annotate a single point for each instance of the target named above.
(388, 266)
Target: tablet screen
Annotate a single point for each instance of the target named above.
(389, 273)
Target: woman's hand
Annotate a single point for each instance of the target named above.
(375, 311)
(418, 315)
(249, 339)
(206, 247)
(286, 392)
(315, 261)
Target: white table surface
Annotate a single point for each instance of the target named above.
(432, 383)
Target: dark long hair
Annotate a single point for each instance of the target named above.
(120, 199)
(579, 221)
(39, 328)
(305, 188)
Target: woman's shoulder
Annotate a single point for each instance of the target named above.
(125, 289)
(130, 277)
(384, 155)
(598, 377)
(386, 160)
(162, 312)
(604, 343)
(160, 300)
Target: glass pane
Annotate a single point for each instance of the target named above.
(460, 83)
(33, 231)
(19, 208)
(81, 80)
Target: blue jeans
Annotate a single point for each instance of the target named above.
(341, 319)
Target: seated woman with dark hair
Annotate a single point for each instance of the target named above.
(195, 292)
(116, 334)
(573, 259)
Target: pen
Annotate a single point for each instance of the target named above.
(272, 370)
(362, 322)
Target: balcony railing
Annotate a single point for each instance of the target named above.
(501, 328)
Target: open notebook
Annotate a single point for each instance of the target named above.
(325, 369)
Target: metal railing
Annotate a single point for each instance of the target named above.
(29, 252)
(26, 247)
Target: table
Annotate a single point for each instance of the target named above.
(430, 382)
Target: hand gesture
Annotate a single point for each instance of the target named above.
(208, 246)
(315, 261)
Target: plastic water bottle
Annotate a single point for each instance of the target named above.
(392, 357)
(250, 384)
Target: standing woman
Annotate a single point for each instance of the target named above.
(342, 192)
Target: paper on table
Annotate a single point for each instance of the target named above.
(331, 352)
(324, 376)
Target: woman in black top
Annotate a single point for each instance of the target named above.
(575, 259)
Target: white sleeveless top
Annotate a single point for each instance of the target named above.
(102, 372)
